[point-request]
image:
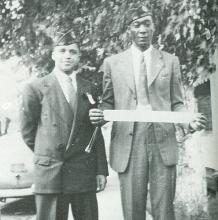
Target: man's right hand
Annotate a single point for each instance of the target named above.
(96, 116)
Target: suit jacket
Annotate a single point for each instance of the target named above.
(164, 87)
(46, 122)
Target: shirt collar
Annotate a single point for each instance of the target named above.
(135, 50)
(62, 76)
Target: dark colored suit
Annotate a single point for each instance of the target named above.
(142, 152)
(46, 122)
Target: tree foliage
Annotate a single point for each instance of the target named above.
(187, 28)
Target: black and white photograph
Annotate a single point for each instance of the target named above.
(108, 110)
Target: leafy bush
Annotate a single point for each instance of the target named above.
(186, 28)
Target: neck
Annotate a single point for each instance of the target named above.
(63, 72)
(68, 72)
(142, 48)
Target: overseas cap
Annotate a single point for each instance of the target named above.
(64, 38)
(138, 11)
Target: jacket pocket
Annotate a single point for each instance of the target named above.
(42, 160)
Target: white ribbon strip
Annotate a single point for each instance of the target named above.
(148, 116)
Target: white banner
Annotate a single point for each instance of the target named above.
(148, 116)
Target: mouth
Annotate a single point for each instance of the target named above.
(67, 63)
(143, 38)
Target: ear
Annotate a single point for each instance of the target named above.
(128, 33)
(153, 26)
(128, 30)
(53, 56)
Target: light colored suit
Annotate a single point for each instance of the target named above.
(119, 92)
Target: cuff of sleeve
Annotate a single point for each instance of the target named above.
(104, 173)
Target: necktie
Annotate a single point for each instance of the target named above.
(142, 91)
(71, 93)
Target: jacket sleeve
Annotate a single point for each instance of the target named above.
(102, 166)
(29, 115)
(176, 93)
(177, 102)
(108, 92)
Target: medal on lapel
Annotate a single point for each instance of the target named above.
(90, 98)
(90, 145)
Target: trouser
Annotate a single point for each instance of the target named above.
(56, 206)
(146, 165)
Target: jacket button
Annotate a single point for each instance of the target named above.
(131, 133)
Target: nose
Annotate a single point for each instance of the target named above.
(142, 29)
(67, 54)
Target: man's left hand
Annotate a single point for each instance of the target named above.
(198, 123)
(101, 181)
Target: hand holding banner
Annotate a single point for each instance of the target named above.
(148, 116)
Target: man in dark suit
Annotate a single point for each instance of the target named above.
(144, 78)
(53, 109)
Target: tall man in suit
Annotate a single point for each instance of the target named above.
(143, 77)
(53, 109)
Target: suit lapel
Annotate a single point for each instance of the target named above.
(127, 63)
(156, 65)
(57, 99)
(83, 87)
(81, 108)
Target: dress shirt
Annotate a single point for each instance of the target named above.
(136, 57)
(62, 79)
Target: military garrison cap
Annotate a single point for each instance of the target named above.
(137, 11)
(64, 38)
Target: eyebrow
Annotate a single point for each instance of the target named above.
(64, 48)
(142, 21)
